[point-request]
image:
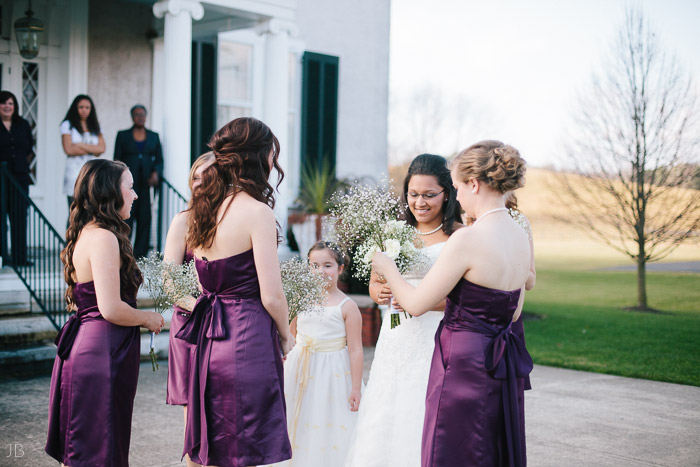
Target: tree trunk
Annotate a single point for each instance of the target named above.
(641, 280)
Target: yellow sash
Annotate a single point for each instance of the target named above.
(310, 345)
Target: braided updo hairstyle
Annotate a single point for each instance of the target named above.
(498, 165)
(242, 150)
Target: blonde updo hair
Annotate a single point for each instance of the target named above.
(498, 165)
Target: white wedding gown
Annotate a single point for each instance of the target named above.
(390, 425)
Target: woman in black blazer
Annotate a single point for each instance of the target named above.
(140, 149)
(16, 149)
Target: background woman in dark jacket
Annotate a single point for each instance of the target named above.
(17, 149)
(140, 149)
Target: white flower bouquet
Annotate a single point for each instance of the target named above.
(366, 222)
(167, 283)
(304, 289)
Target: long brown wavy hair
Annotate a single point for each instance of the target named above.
(98, 198)
(242, 149)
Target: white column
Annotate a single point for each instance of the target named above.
(177, 105)
(77, 49)
(156, 113)
(276, 102)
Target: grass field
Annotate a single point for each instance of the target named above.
(579, 322)
(579, 318)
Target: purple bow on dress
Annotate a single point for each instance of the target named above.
(207, 314)
(66, 336)
(505, 359)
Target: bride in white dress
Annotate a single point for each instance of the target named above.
(390, 424)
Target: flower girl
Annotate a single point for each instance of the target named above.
(323, 373)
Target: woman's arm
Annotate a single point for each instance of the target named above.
(532, 277)
(175, 251)
(94, 149)
(71, 149)
(353, 331)
(293, 327)
(264, 239)
(440, 280)
(104, 264)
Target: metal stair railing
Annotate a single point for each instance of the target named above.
(35, 246)
(170, 202)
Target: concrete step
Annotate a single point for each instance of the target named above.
(32, 329)
(32, 360)
(26, 330)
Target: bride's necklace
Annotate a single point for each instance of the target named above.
(431, 232)
(487, 213)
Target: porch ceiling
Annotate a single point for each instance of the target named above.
(260, 9)
(229, 15)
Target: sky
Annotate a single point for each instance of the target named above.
(511, 70)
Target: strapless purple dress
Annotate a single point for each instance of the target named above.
(473, 413)
(179, 355)
(236, 414)
(93, 386)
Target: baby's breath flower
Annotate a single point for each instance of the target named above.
(366, 219)
(167, 283)
(304, 289)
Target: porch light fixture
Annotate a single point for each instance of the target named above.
(28, 31)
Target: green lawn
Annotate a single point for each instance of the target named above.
(579, 323)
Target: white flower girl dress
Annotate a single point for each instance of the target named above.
(317, 385)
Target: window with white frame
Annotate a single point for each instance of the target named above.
(30, 106)
(234, 81)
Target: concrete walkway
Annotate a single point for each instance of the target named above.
(573, 419)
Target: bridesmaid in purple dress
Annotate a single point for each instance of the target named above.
(475, 390)
(236, 413)
(97, 367)
(180, 351)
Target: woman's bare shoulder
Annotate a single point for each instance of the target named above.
(94, 233)
(252, 205)
(179, 222)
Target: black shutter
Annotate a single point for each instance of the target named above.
(203, 96)
(319, 110)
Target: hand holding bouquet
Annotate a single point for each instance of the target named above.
(366, 223)
(167, 283)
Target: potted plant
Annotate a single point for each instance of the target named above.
(318, 183)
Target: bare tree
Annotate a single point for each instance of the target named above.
(634, 152)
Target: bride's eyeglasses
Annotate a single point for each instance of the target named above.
(426, 196)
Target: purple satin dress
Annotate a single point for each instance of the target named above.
(236, 414)
(473, 411)
(179, 355)
(93, 386)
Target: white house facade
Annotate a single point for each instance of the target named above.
(316, 71)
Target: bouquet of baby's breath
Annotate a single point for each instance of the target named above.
(365, 219)
(304, 289)
(397, 240)
(362, 211)
(167, 283)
